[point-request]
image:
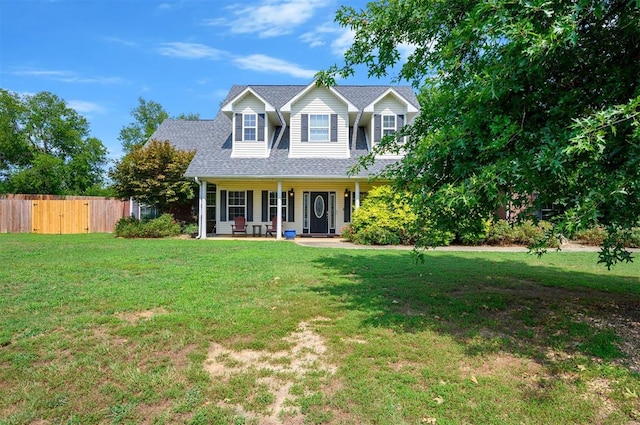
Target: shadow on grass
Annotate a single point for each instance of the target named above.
(511, 303)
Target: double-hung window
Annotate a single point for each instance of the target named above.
(250, 126)
(319, 128)
(236, 204)
(388, 125)
(273, 205)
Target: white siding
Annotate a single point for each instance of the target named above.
(250, 104)
(319, 101)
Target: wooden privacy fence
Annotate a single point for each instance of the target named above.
(60, 214)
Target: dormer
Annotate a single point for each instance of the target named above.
(386, 115)
(254, 123)
(319, 120)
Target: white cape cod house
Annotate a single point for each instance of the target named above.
(285, 152)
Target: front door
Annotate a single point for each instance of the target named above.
(319, 222)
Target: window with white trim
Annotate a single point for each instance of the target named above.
(250, 126)
(319, 128)
(388, 125)
(273, 205)
(236, 204)
(305, 209)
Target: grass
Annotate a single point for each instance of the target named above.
(95, 329)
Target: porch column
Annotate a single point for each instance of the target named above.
(279, 211)
(357, 194)
(202, 208)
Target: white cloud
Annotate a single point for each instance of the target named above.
(341, 43)
(406, 50)
(67, 76)
(263, 63)
(190, 51)
(317, 37)
(84, 107)
(117, 40)
(270, 18)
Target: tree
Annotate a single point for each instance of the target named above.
(529, 103)
(148, 116)
(153, 174)
(45, 147)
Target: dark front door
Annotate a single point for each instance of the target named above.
(319, 207)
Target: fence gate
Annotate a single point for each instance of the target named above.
(60, 216)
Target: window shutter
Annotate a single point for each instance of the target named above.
(238, 135)
(249, 205)
(347, 208)
(304, 125)
(291, 204)
(377, 128)
(261, 120)
(399, 122)
(334, 127)
(265, 205)
(223, 205)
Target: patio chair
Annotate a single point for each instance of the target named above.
(239, 226)
(273, 227)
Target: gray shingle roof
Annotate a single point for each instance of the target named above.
(211, 139)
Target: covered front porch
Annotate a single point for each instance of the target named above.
(310, 207)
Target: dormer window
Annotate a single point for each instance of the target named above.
(319, 128)
(388, 125)
(250, 127)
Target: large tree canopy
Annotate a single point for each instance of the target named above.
(153, 174)
(45, 147)
(521, 100)
(148, 115)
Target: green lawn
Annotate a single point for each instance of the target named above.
(95, 329)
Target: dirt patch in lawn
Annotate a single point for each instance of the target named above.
(279, 371)
(134, 316)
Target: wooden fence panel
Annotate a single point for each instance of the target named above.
(15, 216)
(61, 216)
(105, 213)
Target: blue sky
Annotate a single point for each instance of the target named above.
(101, 56)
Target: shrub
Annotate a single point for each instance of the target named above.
(385, 218)
(190, 228)
(592, 236)
(527, 232)
(476, 235)
(597, 234)
(128, 227)
(161, 227)
(500, 233)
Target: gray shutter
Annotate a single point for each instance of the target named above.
(265, 205)
(261, 120)
(334, 127)
(399, 122)
(223, 205)
(304, 124)
(249, 205)
(291, 203)
(377, 128)
(238, 135)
